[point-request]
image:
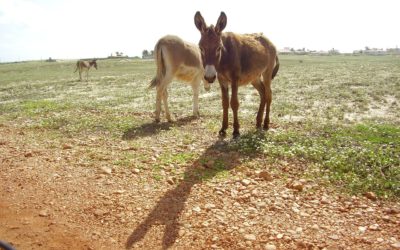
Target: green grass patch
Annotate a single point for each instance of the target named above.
(360, 158)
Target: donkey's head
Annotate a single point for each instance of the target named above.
(210, 44)
(94, 63)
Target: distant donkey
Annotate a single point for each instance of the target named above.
(82, 65)
(178, 59)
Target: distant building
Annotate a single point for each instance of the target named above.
(371, 52)
(286, 51)
(51, 60)
(118, 55)
(319, 53)
(375, 52)
(393, 51)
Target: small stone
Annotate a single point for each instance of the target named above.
(265, 176)
(196, 209)
(392, 211)
(250, 237)
(43, 213)
(324, 200)
(304, 214)
(66, 146)
(106, 170)
(119, 191)
(170, 180)
(136, 171)
(370, 210)
(315, 227)
(301, 245)
(374, 227)
(261, 204)
(362, 229)
(98, 212)
(29, 154)
(270, 247)
(209, 206)
(255, 193)
(371, 196)
(297, 185)
(279, 236)
(396, 245)
(299, 230)
(296, 210)
(333, 237)
(245, 182)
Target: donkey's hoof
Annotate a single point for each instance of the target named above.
(235, 134)
(222, 133)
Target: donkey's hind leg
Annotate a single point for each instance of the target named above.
(268, 97)
(162, 95)
(165, 100)
(258, 85)
(158, 103)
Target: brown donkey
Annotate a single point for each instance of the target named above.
(82, 65)
(237, 60)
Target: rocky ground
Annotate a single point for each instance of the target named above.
(53, 197)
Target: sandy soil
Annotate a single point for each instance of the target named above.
(52, 198)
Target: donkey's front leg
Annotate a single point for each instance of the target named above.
(225, 107)
(196, 90)
(235, 107)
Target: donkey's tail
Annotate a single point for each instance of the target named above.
(77, 66)
(160, 66)
(276, 68)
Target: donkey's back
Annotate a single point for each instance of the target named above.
(176, 58)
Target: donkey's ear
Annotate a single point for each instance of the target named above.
(199, 22)
(221, 23)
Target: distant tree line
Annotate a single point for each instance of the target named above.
(147, 54)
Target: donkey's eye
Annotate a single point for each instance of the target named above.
(202, 51)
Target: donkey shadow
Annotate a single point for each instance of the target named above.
(169, 208)
(152, 128)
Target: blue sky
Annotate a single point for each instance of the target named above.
(70, 29)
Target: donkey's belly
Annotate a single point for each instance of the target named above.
(187, 73)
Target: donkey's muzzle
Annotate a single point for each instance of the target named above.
(210, 73)
(210, 79)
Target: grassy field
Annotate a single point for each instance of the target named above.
(338, 115)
